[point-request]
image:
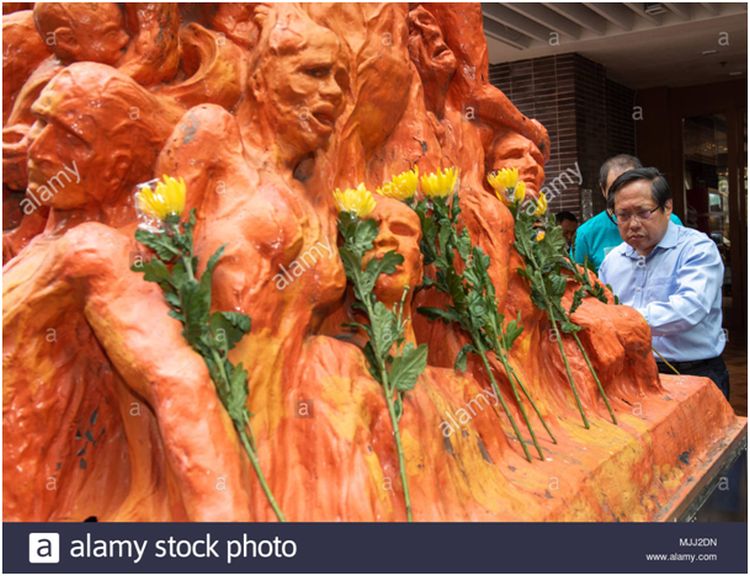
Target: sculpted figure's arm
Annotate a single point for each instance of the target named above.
(129, 318)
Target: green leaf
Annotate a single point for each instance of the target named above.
(398, 407)
(457, 291)
(161, 243)
(351, 264)
(407, 367)
(179, 275)
(359, 236)
(154, 271)
(462, 356)
(354, 326)
(463, 245)
(196, 302)
(173, 300)
(444, 233)
(211, 264)
(237, 398)
(383, 324)
(228, 328)
(557, 284)
(432, 313)
(577, 300)
(377, 266)
(196, 305)
(513, 330)
(372, 361)
(177, 316)
(478, 308)
(569, 327)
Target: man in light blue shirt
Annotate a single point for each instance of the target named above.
(598, 235)
(671, 274)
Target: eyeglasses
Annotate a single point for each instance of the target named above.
(625, 217)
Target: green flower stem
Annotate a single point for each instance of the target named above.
(400, 450)
(394, 420)
(488, 368)
(240, 427)
(508, 371)
(189, 298)
(261, 478)
(514, 374)
(558, 337)
(393, 362)
(672, 368)
(596, 377)
(449, 245)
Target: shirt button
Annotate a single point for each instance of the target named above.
(637, 288)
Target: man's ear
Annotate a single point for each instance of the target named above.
(66, 44)
(668, 207)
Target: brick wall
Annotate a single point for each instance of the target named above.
(587, 115)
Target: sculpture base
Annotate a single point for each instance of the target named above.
(642, 470)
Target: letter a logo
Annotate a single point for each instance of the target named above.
(44, 548)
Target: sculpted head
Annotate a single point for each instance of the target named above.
(298, 80)
(97, 134)
(400, 230)
(511, 150)
(78, 32)
(434, 60)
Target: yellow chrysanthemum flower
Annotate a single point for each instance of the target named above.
(357, 201)
(402, 186)
(541, 205)
(441, 183)
(167, 199)
(519, 192)
(387, 190)
(504, 179)
(540, 236)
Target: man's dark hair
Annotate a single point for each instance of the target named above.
(622, 161)
(660, 191)
(560, 216)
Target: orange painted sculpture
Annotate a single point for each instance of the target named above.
(263, 110)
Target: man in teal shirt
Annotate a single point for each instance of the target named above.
(598, 235)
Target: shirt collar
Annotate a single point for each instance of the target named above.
(668, 241)
(670, 238)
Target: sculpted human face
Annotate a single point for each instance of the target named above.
(60, 156)
(400, 231)
(429, 52)
(515, 151)
(646, 232)
(92, 32)
(305, 94)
